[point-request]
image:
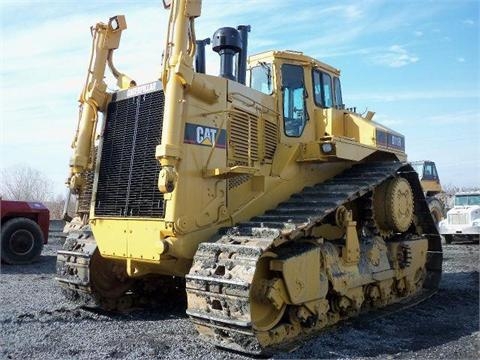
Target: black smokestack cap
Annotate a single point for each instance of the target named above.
(226, 38)
(227, 42)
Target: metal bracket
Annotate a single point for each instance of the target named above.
(228, 172)
(351, 251)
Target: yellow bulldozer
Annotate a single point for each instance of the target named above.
(430, 181)
(277, 210)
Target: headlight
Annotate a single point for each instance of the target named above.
(327, 148)
(476, 222)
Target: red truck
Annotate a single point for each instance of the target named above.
(24, 230)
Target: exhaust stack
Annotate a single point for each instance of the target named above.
(227, 43)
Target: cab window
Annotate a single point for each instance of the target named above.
(322, 88)
(464, 200)
(338, 93)
(294, 109)
(261, 78)
(429, 172)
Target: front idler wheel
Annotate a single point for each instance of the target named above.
(267, 305)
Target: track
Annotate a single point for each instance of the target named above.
(108, 287)
(221, 284)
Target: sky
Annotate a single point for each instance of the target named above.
(414, 62)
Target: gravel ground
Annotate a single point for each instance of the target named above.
(37, 323)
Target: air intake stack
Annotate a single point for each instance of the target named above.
(200, 55)
(227, 42)
(242, 56)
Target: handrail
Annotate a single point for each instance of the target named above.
(253, 102)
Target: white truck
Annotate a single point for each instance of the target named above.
(463, 220)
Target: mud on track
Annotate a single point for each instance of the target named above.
(37, 323)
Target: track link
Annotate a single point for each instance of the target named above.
(220, 281)
(74, 274)
(73, 263)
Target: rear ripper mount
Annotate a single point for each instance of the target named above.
(236, 285)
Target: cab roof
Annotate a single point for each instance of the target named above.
(291, 55)
(464, 193)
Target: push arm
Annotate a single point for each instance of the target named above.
(94, 97)
(177, 74)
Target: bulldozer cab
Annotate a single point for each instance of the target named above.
(308, 97)
(427, 173)
(306, 89)
(426, 170)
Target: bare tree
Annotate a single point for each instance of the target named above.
(27, 184)
(24, 183)
(56, 206)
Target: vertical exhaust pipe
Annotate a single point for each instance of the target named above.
(226, 42)
(242, 56)
(200, 55)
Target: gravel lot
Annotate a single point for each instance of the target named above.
(37, 323)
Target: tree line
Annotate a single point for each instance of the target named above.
(25, 183)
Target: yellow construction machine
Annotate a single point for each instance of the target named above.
(434, 194)
(276, 208)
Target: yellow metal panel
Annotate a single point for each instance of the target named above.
(111, 237)
(334, 124)
(144, 239)
(431, 185)
(359, 129)
(350, 150)
(298, 268)
(129, 238)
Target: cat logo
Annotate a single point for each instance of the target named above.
(205, 135)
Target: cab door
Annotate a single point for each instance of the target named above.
(294, 102)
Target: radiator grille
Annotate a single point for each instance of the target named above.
(458, 219)
(128, 175)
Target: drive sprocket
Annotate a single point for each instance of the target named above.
(393, 206)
